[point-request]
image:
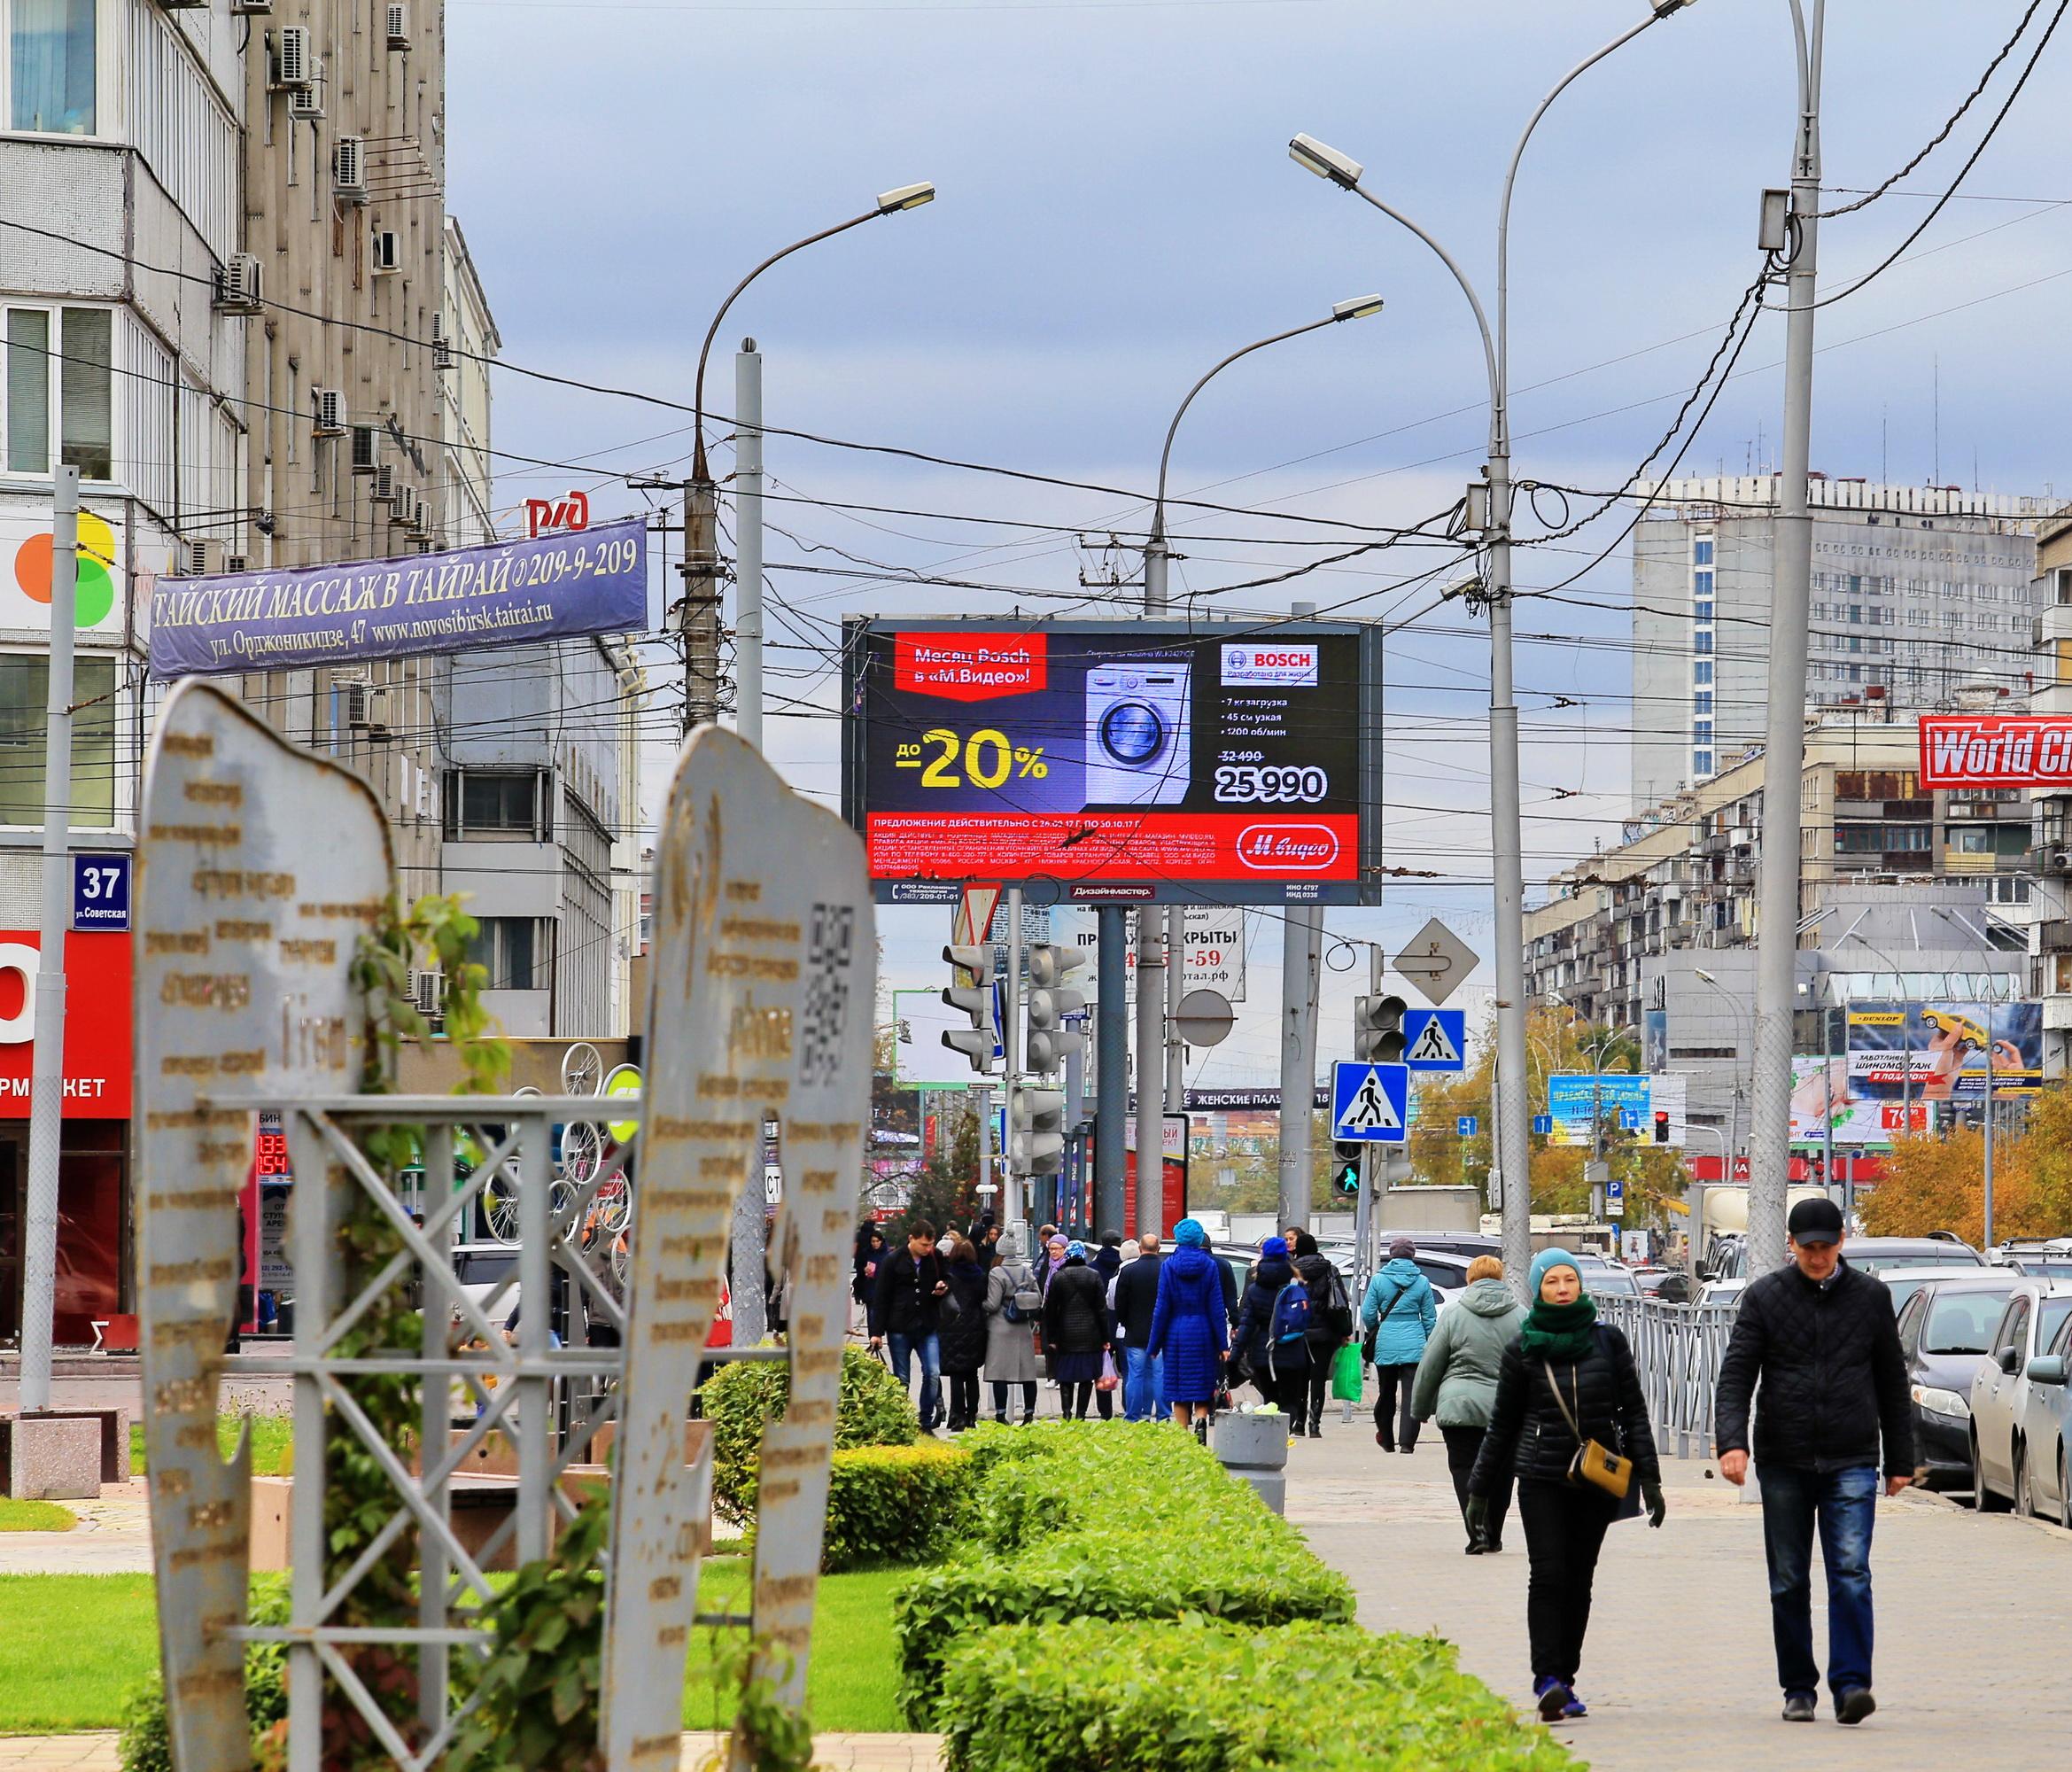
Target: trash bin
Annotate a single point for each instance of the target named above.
(1255, 1448)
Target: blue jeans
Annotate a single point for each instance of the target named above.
(1141, 1383)
(902, 1348)
(1844, 1504)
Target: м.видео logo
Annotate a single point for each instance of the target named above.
(97, 569)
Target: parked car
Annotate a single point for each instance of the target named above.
(1722, 1291)
(2047, 1431)
(2035, 1312)
(481, 1268)
(1945, 1334)
(1601, 1279)
(1903, 1283)
(2038, 1258)
(1880, 1256)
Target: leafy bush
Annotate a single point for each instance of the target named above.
(146, 1744)
(1061, 1697)
(1105, 1497)
(874, 1410)
(896, 1504)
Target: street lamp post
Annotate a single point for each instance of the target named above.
(1507, 842)
(1740, 1022)
(1151, 1004)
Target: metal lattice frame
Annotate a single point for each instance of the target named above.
(532, 1379)
(1677, 1349)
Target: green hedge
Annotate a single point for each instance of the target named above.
(896, 1504)
(1077, 1519)
(742, 1395)
(146, 1743)
(1162, 1698)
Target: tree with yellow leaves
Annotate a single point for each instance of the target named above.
(1938, 1183)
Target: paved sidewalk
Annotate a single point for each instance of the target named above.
(95, 1752)
(1973, 1615)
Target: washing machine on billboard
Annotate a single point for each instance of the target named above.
(1136, 734)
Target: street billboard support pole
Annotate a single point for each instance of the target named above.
(1300, 934)
(748, 541)
(1151, 1070)
(46, 1126)
(1784, 746)
(1017, 1194)
(1111, 1065)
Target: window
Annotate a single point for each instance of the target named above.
(497, 802)
(24, 680)
(2014, 1330)
(1702, 551)
(1702, 640)
(1704, 612)
(51, 66)
(1702, 763)
(1972, 840)
(1701, 732)
(507, 948)
(1701, 702)
(78, 367)
(1702, 584)
(1701, 671)
(1962, 1322)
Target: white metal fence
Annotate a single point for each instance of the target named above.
(1678, 1348)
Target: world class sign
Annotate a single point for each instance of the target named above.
(1996, 750)
(508, 594)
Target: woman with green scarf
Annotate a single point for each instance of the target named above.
(1567, 1378)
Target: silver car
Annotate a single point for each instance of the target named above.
(2036, 1310)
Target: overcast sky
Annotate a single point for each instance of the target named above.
(1118, 211)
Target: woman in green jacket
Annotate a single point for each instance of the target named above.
(1456, 1382)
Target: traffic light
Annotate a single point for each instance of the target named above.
(1346, 1175)
(1036, 1131)
(1378, 1029)
(1662, 1125)
(1395, 1165)
(973, 994)
(1051, 999)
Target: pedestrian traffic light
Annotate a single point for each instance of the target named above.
(1049, 1043)
(1662, 1125)
(1035, 1138)
(973, 993)
(1346, 1173)
(1395, 1165)
(1378, 1029)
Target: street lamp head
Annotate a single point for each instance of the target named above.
(1326, 162)
(1358, 307)
(907, 196)
(1710, 978)
(1663, 8)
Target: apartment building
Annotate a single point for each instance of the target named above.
(2050, 857)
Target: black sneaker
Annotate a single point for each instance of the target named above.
(1855, 1705)
(1798, 1706)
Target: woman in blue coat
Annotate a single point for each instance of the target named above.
(1399, 1313)
(1189, 1325)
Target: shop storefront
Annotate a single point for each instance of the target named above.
(93, 1175)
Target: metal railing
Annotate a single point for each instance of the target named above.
(1678, 1348)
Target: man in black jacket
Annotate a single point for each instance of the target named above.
(1821, 1338)
(906, 1310)
(1137, 1295)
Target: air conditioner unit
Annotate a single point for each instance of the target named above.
(197, 559)
(383, 490)
(236, 563)
(293, 67)
(428, 993)
(399, 511)
(388, 253)
(398, 26)
(330, 411)
(252, 8)
(442, 349)
(364, 448)
(349, 168)
(306, 103)
(377, 711)
(237, 284)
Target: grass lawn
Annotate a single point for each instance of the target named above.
(72, 1647)
(35, 1516)
(273, 1443)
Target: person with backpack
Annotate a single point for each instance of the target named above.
(1331, 1322)
(1013, 1307)
(1456, 1382)
(1399, 1314)
(1273, 1333)
(1569, 1423)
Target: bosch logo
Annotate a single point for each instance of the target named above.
(1281, 657)
(1288, 848)
(1291, 666)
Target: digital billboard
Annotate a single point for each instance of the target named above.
(1940, 1047)
(1825, 1109)
(1995, 750)
(1117, 762)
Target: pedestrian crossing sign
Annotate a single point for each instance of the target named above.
(1435, 1039)
(1369, 1103)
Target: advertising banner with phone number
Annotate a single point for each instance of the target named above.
(1126, 762)
(1942, 1047)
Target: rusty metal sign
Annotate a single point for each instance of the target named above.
(246, 920)
(764, 973)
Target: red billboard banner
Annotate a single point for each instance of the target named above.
(1996, 750)
(97, 1023)
(970, 667)
(1116, 845)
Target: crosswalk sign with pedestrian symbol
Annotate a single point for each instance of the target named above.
(1369, 1103)
(1435, 1039)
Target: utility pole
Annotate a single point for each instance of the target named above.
(46, 1126)
(698, 614)
(1011, 1048)
(1111, 1065)
(1299, 965)
(1150, 978)
(748, 543)
(1784, 744)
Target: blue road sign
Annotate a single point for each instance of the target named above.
(1465, 1126)
(1628, 1121)
(1435, 1039)
(100, 891)
(1369, 1103)
(1615, 1190)
(1543, 1123)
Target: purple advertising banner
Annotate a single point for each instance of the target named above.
(508, 594)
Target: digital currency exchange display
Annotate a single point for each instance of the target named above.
(1138, 761)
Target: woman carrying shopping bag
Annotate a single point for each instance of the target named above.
(1569, 1423)
(1456, 1383)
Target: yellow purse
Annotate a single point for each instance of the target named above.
(1594, 1463)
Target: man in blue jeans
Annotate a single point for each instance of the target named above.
(1821, 1338)
(1135, 1295)
(906, 1310)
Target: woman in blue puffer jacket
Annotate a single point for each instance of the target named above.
(1189, 1325)
(1399, 1312)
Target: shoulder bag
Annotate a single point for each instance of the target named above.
(1594, 1463)
(1374, 1334)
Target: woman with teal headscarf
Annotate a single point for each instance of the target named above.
(1563, 1363)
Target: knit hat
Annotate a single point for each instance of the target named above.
(1191, 1233)
(1305, 1244)
(1075, 1251)
(1402, 1249)
(1013, 1241)
(1552, 1258)
(1274, 1247)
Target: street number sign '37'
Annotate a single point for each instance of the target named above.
(1369, 1103)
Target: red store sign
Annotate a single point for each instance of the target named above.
(97, 1023)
